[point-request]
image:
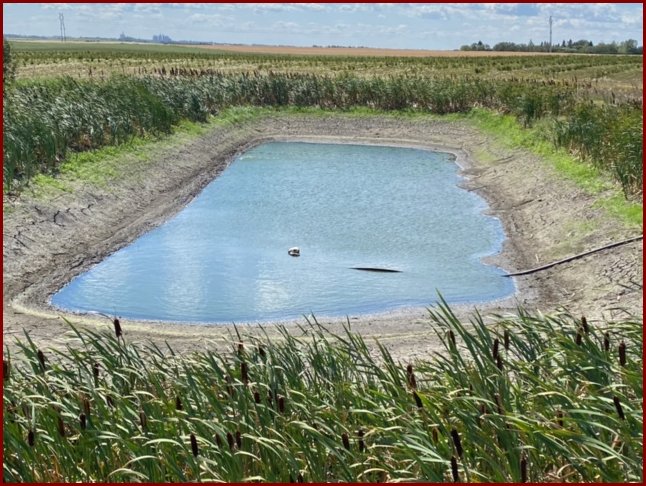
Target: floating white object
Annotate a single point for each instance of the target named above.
(294, 251)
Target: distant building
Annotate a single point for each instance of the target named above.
(162, 39)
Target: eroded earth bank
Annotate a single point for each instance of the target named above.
(48, 240)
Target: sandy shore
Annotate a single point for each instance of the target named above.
(49, 240)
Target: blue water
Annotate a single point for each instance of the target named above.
(224, 257)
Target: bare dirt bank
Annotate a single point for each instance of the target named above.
(47, 241)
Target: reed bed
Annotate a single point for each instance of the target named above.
(527, 398)
(43, 120)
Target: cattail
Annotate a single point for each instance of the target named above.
(299, 478)
(346, 440)
(579, 337)
(606, 342)
(418, 400)
(584, 325)
(240, 348)
(499, 362)
(506, 339)
(229, 387)
(178, 403)
(95, 372)
(559, 418)
(435, 434)
(362, 445)
(622, 353)
(143, 420)
(6, 369)
(61, 426)
(83, 421)
(218, 440)
(86, 406)
(230, 440)
(498, 400)
(194, 448)
(270, 397)
(620, 410)
(281, 404)
(456, 442)
(410, 376)
(261, 352)
(494, 352)
(454, 470)
(117, 327)
(109, 401)
(523, 468)
(244, 372)
(31, 438)
(41, 359)
(256, 397)
(238, 439)
(451, 336)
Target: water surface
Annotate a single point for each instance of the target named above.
(224, 257)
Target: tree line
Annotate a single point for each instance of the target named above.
(582, 46)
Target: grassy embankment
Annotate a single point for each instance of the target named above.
(529, 398)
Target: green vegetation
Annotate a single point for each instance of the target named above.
(148, 90)
(531, 397)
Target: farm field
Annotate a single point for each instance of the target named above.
(104, 141)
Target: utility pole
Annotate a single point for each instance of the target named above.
(550, 33)
(61, 18)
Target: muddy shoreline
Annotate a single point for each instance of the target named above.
(47, 241)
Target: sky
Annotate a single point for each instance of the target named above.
(386, 25)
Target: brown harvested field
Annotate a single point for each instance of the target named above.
(360, 51)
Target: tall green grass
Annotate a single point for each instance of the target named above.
(44, 120)
(529, 397)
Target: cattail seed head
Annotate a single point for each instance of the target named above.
(194, 447)
(498, 400)
(435, 434)
(523, 468)
(218, 440)
(456, 442)
(178, 403)
(454, 470)
(86, 406)
(584, 325)
(240, 348)
(261, 352)
(244, 372)
(95, 372)
(362, 445)
(494, 352)
(410, 377)
(117, 327)
(499, 362)
(143, 420)
(506, 339)
(622, 353)
(281, 404)
(606, 342)
(83, 421)
(579, 337)
(230, 440)
(229, 386)
(238, 439)
(559, 418)
(270, 397)
(6, 369)
(418, 400)
(41, 360)
(61, 426)
(451, 335)
(346, 440)
(618, 407)
(31, 438)
(256, 397)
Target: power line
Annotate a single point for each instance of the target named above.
(550, 33)
(61, 19)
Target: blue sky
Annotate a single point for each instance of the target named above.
(413, 25)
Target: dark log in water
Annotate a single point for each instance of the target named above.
(371, 269)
